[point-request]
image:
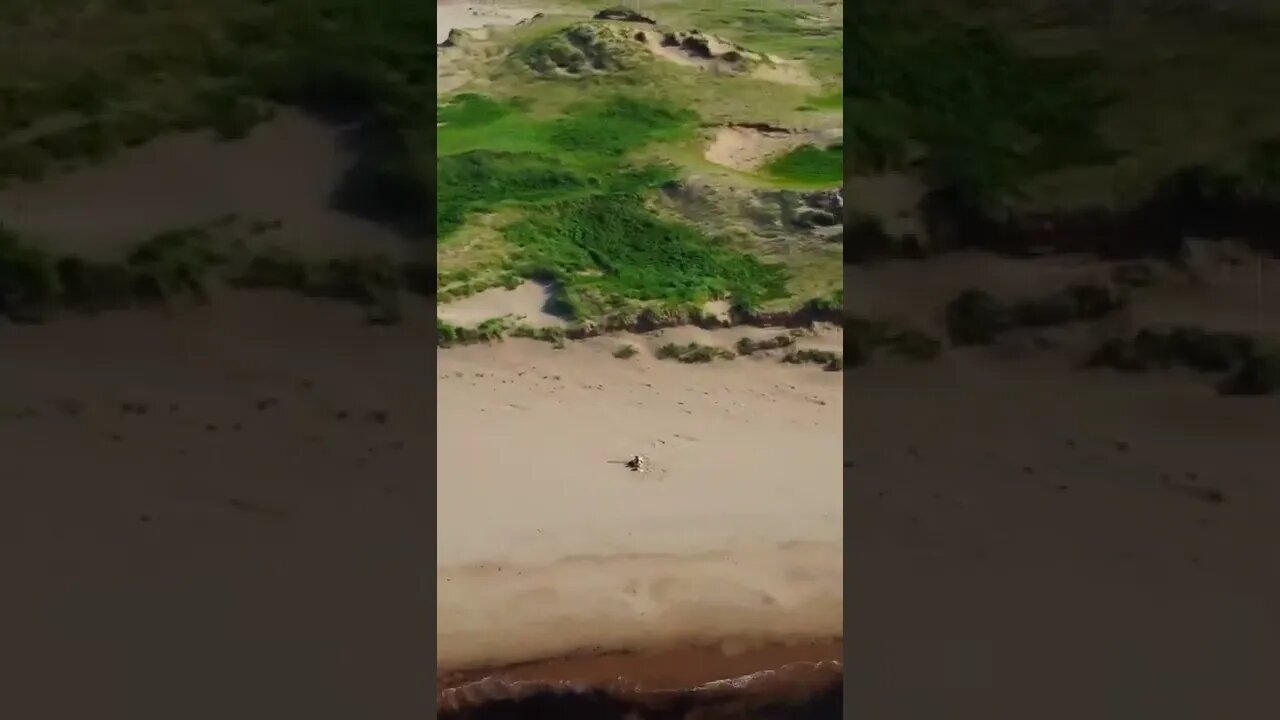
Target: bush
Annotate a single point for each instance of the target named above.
(977, 318)
(693, 353)
(748, 346)
(28, 281)
(914, 345)
(1181, 346)
(92, 286)
(626, 351)
(1259, 374)
(831, 361)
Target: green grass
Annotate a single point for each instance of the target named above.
(990, 115)
(580, 199)
(605, 250)
(811, 165)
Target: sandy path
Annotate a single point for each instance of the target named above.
(545, 546)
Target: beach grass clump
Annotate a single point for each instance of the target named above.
(830, 360)
(1258, 374)
(625, 352)
(693, 352)
(556, 336)
(28, 280)
(865, 338)
(1245, 365)
(975, 317)
(751, 346)
(1181, 346)
(489, 331)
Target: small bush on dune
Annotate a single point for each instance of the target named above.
(28, 280)
(626, 351)
(831, 361)
(554, 335)
(977, 318)
(749, 346)
(1259, 374)
(693, 353)
(1249, 369)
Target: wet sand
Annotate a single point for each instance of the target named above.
(548, 546)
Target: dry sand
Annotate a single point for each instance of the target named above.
(528, 302)
(748, 148)
(1015, 538)
(285, 170)
(548, 545)
(254, 543)
(451, 14)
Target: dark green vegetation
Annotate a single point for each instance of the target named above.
(1126, 126)
(492, 330)
(748, 346)
(823, 167)
(865, 338)
(829, 360)
(976, 318)
(693, 353)
(604, 250)
(584, 221)
(1245, 366)
(582, 154)
(78, 80)
(988, 115)
(187, 264)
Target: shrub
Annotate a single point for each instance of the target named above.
(1259, 374)
(626, 351)
(693, 353)
(977, 318)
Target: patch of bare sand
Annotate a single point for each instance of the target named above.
(286, 170)
(1020, 522)
(717, 55)
(747, 148)
(527, 301)
(552, 546)
(240, 485)
(468, 16)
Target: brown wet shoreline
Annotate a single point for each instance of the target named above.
(770, 673)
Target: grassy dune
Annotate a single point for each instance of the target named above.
(552, 167)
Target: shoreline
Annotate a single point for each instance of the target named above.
(771, 670)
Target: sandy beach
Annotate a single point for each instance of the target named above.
(547, 545)
(221, 511)
(1031, 539)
